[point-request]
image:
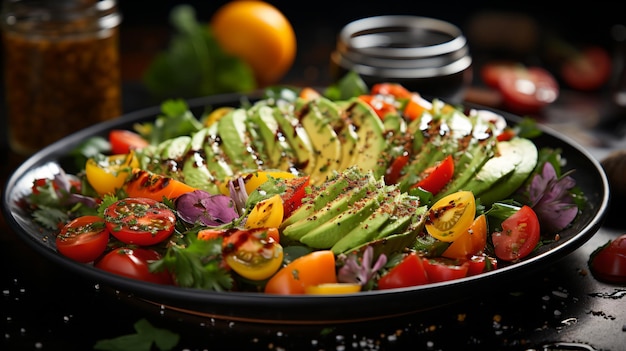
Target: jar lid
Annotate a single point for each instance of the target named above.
(402, 46)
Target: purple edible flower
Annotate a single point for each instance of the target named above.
(201, 207)
(549, 196)
(361, 273)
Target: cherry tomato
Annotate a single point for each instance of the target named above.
(441, 269)
(315, 268)
(519, 236)
(107, 174)
(308, 94)
(416, 106)
(294, 193)
(213, 233)
(491, 71)
(436, 177)
(589, 70)
(124, 141)
(394, 89)
(380, 104)
(267, 213)
(252, 254)
(471, 242)
(608, 262)
(134, 263)
(154, 186)
(409, 272)
(139, 221)
(451, 216)
(394, 171)
(481, 263)
(83, 239)
(527, 90)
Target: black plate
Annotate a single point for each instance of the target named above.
(258, 307)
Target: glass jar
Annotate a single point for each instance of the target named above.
(425, 55)
(62, 73)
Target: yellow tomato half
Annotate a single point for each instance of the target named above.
(451, 216)
(259, 34)
(107, 174)
(266, 214)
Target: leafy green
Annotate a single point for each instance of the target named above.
(146, 335)
(349, 86)
(176, 119)
(194, 64)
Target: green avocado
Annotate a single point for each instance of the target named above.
(195, 169)
(499, 177)
(235, 140)
(277, 151)
(297, 137)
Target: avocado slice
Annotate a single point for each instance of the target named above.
(337, 206)
(324, 139)
(235, 140)
(277, 150)
(216, 161)
(297, 137)
(325, 235)
(493, 182)
(195, 169)
(371, 142)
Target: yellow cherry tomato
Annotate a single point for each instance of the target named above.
(267, 213)
(333, 288)
(108, 173)
(451, 216)
(254, 180)
(216, 115)
(253, 255)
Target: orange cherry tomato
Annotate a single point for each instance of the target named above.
(154, 186)
(470, 243)
(315, 268)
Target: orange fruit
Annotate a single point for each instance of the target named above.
(259, 34)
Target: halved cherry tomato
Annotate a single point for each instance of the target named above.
(134, 263)
(252, 254)
(415, 106)
(471, 242)
(440, 269)
(519, 236)
(608, 262)
(481, 263)
(124, 141)
(436, 177)
(83, 239)
(294, 193)
(107, 174)
(315, 268)
(267, 213)
(394, 89)
(527, 91)
(380, 104)
(394, 171)
(308, 94)
(589, 70)
(409, 272)
(491, 71)
(140, 221)
(154, 186)
(264, 233)
(451, 216)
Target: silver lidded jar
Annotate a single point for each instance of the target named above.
(61, 68)
(425, 55)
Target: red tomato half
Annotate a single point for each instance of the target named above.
(140, 221)
(481, 263)
(436, 177)
(409, 272)
(519, 236)
(134, 263)
(608, 262)
(527, 90)
(84, 239)
(587, 71)
(441, 269)
(123, 141)
(394, 171)
(380, 104)
(294, 193)
(396, 90)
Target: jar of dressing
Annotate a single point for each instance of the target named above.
(61, 68)
(425, 55)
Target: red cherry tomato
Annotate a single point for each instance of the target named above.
(393, 89)
(140, 221)
(588, 70)
(608, 262)
(123, 141)
(380, 104)
(83, 239)
(490, 72)
(294, 193)
(394, 171)
(436, 177)
(134, 263)
(519, 236)
(481, 263)
(409, 272)
(527, 90)
(441, 269)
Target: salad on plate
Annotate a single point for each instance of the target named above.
(310, 191)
